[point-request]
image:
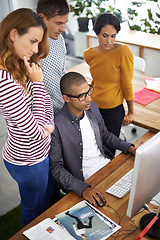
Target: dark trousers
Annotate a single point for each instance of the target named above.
(113, 119)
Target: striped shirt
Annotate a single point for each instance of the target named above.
(54, 69)
(26, 116)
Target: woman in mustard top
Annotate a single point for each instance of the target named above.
(111, 66)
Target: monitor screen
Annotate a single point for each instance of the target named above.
(146, 175)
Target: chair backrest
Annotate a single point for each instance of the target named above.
(139, 64)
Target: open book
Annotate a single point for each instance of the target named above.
(82, 221)
(48, 229)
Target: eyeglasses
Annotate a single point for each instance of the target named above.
(81, 97)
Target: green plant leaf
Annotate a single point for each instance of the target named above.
(150, 14)
(135, 27)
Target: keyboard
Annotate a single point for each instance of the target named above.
(122, 186)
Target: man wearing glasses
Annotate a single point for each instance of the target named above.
(81, 144)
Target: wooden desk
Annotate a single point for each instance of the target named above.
(102, 180)
(145, 116)
(136, 38)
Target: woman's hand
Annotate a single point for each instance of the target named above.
(48, 130)
(128, 119)
(33, 71)
(132, 150)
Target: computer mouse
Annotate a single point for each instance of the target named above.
(104, 202)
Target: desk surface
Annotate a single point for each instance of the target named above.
(137, 38)
(145, 116)
(102, 180)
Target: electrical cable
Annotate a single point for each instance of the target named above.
(120, 232)
(115, 212)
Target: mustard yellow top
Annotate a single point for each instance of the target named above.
(112, 73)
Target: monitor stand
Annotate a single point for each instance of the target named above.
(154, 231)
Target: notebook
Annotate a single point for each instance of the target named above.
(145, 96)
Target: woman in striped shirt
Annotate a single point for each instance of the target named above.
(26, 107)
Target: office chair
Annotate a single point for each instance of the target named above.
(139, 65)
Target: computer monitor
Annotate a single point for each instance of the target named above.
(146, 175)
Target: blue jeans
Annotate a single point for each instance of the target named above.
(35, 187)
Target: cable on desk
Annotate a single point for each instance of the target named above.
(145, 207)
(127, 230)
(126, 234)
(120, 231)
(115, 212)
(130, 233)
(120, 234)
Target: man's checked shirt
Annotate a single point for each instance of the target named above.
(54, 69)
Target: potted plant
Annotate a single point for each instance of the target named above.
(150, 22)
(81, 9)
(85, 9)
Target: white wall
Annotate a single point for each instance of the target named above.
(24, 3)
(4, 9)
(6, 6)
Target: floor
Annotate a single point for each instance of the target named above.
(9, 194)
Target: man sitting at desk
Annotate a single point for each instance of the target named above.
(81, 143)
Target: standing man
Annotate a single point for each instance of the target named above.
(55, 15)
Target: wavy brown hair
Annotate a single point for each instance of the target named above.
(21, 19)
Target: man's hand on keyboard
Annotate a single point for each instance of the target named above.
(132, 150)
